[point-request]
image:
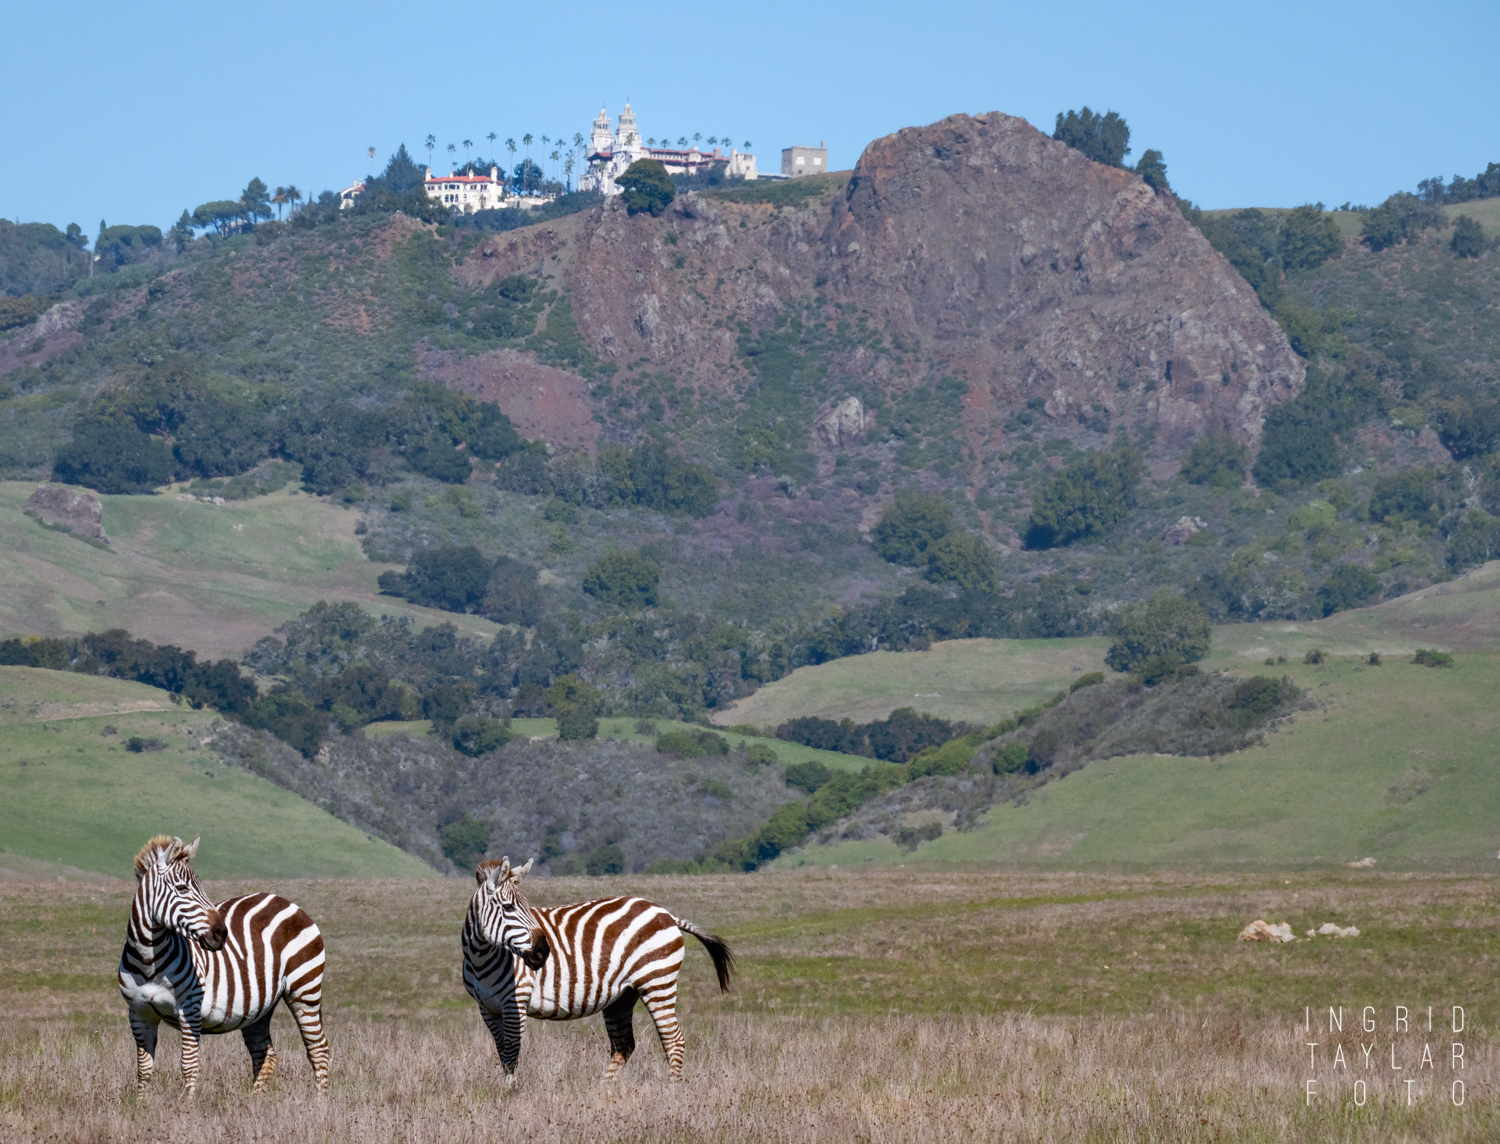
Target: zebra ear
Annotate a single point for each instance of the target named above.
(522, 871)
(191, 849)
(502, 871)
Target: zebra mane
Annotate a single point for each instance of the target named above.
(158, 843)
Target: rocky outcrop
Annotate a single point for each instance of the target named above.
(1032, 272)
(69, 509)
(979, 248)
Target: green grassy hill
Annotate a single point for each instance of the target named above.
(1398, 763)
(982, 681)
(73, 795)
(211, 578)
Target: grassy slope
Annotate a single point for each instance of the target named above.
(80, 799)
(984, 680)
(976, 680)
(1397, 763)
(786, 753)
(180, 573)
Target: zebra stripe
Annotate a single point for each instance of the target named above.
(206, 968)
(600, 956)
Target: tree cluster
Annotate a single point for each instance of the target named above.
(1087, 499)
(894, 739)
(457, 578)
(919, 530)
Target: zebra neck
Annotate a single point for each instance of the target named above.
(151, 948)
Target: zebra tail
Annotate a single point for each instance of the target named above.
(717, 949)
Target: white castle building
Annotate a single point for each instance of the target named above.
(464, 193)
(610, 153)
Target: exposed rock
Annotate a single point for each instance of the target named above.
(1329, 929)
(78, 512)
(60, 319)
(1185, 527)
(842, 425)
(1258, 930)
(542, 401)
(1362, 864)
(978, 248)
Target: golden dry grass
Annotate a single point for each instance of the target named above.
(789, 1055)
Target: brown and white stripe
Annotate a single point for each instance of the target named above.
(600, 956)
(213, 968)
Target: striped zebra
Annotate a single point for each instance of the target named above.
(206, 968)
(567, 962)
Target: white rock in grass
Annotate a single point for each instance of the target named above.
(1258, 930)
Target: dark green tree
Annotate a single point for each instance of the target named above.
(1103, 138)
(963, 559)
(1218, 461)
(513, 595)
(623, 579)
(1350, 586)
(1087, 499)
(1400, 217)
(446, 576)
(910, 526)
(1468, 238)
(1160, 635)
(1410, 495)
(1153, 168)
(1309, 238)
(255, 202)
(464, 841)
(648, 187)
(113, 458)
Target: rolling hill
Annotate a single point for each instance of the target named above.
(71, 793)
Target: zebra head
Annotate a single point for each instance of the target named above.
(168, 894)
(504, 916)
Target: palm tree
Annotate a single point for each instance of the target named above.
(430, 143)
(568, 167)
(372, 162)
(292, 195)
(682, 141)
(712, 140)
(748, 144)
(467, 144)
(526, 139)
(510, 145)
(651, 142)
(556, 155)
(279, 198)
(697, 135)
(491, 138)
(452, 150)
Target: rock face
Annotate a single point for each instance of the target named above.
(978, 248)
(78, 512)
(1033, 272)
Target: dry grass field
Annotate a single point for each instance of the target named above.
(885, 1005)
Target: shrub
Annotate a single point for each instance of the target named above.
(910, 526)
(474, 735)
(1260, 694)
(1374, 660)
(1405, 496)
(1009, 758)
(1400, 217)
(648, 187)
(910, 837)
(1430, 657)
(452, 577)
(745, 729)
(652, 478)
(441, 462)
(113, 458)
(808, 776)
(137, 744)
(645, 727)
(760, 755)
(1218, 461)
(1315, 656)
(464, 841)
(1309, 238)
(1468, 238)
(1086, 499)
(493, 438)
(512, 595)
(963, 559)
(1169, 630)
(577, 723)
(1473, 542)
(1088, 679)
(692, 744)
(626, 580)
(1350, 586)
(606, 859)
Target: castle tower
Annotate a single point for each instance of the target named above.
(601, 139)
(626, 135)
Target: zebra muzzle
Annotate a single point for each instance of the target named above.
(218, 933)
(536, 956)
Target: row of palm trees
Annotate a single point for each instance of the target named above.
(712, 141)
(561, 160)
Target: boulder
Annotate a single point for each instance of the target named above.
(73, 510)
(1258, 930)
(1185, 527)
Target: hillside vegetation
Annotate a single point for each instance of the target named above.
(72, 792)
(1395, 763)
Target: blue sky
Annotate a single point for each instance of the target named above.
(132, 112)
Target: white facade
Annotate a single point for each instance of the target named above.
(611, 153)
(466, 193)
(798, 161)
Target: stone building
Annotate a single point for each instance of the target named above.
(804, 160)
(611, 152)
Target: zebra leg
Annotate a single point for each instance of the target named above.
(144, 1033)
(308, 1012)
(262, 1052)
(192, 1033)
(505, 1026)
(662, 1005)
(619, 1022)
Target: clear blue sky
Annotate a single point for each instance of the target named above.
(133, 112)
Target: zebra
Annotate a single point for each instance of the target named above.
(206, 968)
(567, 962)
